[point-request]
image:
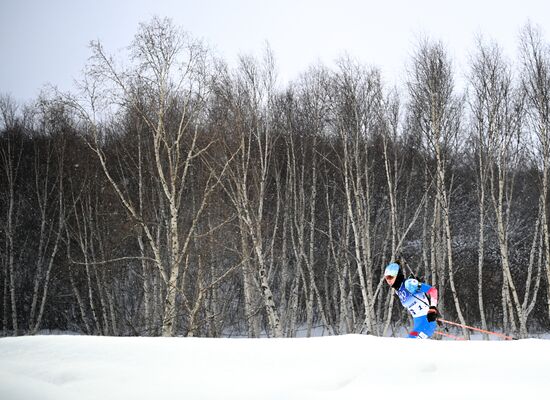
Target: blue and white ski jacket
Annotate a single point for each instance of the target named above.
(417, 297)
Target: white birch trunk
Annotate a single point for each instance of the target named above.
(80, 302)
(480, 259)
(46, 282)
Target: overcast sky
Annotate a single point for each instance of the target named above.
(46, 41)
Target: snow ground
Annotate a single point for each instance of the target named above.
(338, 367)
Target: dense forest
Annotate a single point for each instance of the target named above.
(176, 195)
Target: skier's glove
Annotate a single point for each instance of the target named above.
(432, 314)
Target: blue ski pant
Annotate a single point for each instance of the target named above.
(422, 329)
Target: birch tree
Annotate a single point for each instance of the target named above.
(51, 206)
(535, 57)
(166, 87)
(10, 156)
(435, 112)
(482, 105)
(303, 173)
(497, 112)
(358, 103)
(249, 152)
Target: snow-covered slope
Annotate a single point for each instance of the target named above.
(341, 367)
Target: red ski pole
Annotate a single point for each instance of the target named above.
(476, 329)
